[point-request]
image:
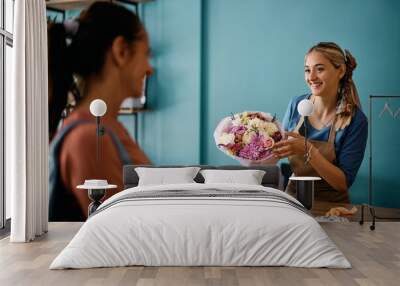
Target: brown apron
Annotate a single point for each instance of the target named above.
(323, 191)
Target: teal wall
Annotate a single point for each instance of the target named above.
(170, 133)
(214, 57)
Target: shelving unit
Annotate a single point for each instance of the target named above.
(61, 6)
(130, 111)
(64, 5)
(133, 112)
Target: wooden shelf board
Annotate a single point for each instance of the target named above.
(79, 4)
(130, 111)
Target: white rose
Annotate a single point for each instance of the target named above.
(226, 138)
(247, 136)
(256, 122)
(269, 128)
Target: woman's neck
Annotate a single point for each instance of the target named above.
(107, 90)
(325, 104)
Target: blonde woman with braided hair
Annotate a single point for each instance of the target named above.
(337, 129)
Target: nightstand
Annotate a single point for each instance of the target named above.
(305, 190)
(96, 192)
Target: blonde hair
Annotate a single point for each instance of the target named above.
(348, 99)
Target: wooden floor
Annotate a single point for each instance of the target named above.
(374, 255)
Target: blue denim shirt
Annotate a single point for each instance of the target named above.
(350, 142)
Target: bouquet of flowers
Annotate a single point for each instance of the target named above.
(249, 137)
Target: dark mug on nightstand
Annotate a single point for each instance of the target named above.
(305, 190)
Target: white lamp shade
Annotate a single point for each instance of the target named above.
(98, 107)
(305, 107)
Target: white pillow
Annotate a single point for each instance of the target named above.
(164, 176)
(248, 177)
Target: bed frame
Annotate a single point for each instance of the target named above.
(270, 179)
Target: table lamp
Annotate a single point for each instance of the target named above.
(305, 108)
(97, 188)
(98, 108)
(305, 185)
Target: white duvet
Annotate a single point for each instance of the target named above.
(200, 231)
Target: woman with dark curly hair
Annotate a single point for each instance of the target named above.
(104, 54)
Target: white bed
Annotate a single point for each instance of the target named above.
(185, 230)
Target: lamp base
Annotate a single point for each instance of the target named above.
(95, 195)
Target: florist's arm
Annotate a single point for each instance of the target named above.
(333, 175)
(348, 158)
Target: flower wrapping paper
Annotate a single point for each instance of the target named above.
(249, 137)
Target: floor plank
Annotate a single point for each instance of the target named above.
(374, 255)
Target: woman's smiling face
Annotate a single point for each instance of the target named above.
(321, 75)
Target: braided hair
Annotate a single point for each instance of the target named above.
(348, 97)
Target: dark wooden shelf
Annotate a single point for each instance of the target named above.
(64, 5)
(130, 111)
